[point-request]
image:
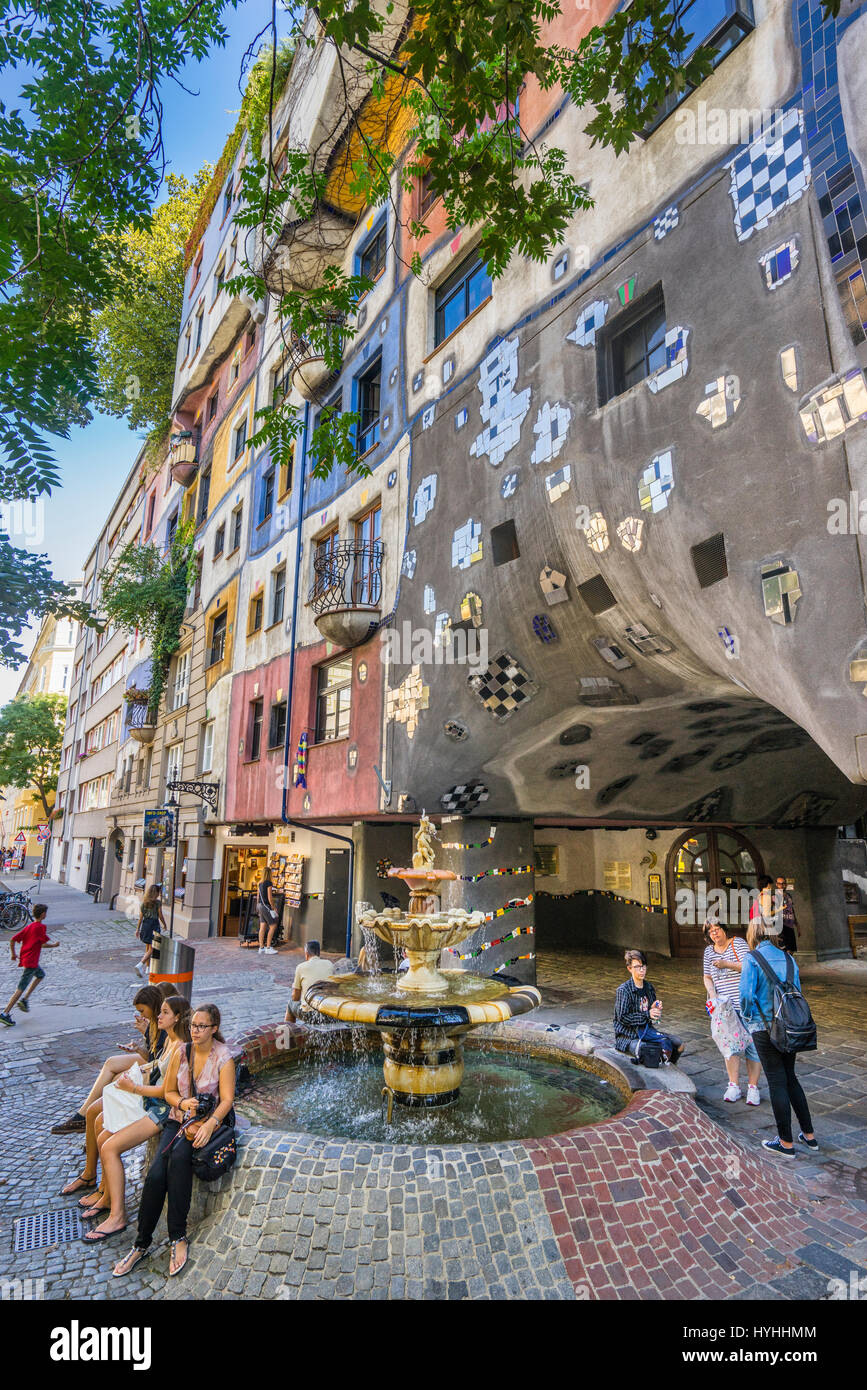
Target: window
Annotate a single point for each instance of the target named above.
(365, 579)
(371, 262)
(267, 505)
(233, 250)
(324, 549)
(333, 700)
(174, 761)
(709, 560)
(217, 644)
(256, 708)
(219, 278)
(277, 726)
(212, 405)
(200, 323)
(180, 690)
(197, 267)
(227, 197)
(207, 745)
(235, 368)
(239, 440)
(282, 382)
(237, 517)
(459, 296)
(188, 338)
(327, 413)
(219, 540)
(250, 339)
(718, 24)
(149, 525)
(204, 496)
(65, 677)
(504, 543)
(368, 406)
(286, 473)
(632, 347)
(278, 594)
(254, 618)
(172, 527)
(426, 195)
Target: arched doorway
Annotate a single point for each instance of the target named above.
(702, 861)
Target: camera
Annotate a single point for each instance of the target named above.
(205, 1105)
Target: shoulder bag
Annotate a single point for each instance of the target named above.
(221, 1150)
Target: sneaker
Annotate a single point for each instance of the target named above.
(812, 1144)
(138, 970)
(24, 1006)
(753, 1097)
(7, 1021)
(775, 1147)
(732, 1092)
(261, 950)
(270, 950)
(76, 1124)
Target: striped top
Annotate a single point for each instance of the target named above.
(727, 982)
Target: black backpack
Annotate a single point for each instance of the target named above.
(792, 1028)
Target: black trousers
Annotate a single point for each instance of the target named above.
(171, 1172)
(784, 1087)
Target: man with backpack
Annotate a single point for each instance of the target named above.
(779, 1018)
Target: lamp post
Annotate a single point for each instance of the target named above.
(174, 807)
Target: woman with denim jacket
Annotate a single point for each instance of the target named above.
(756, 1007)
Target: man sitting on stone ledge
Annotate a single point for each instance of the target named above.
(311, 969)
(636, 1013)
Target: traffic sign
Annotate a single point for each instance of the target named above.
(42, 833)
(20, 838)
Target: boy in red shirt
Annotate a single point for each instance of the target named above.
(32, 937)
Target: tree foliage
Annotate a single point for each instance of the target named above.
(31, 734)
(27, 587)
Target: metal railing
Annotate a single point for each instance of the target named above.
(347, 575)
(139, 716)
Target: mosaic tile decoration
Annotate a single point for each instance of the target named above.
(780, 264)
(407, 569)
(789, 367)
(543, 628)
(722, 400)
(614, 790)
(504, 687)
(655, 749)
(665, 222)
(424, 498)
(509, 485)
(461, 418)
(405, 702)
(560, 266)
(467, 545)
(808, 808)
(503, 408)
(418, 380)
(464, 797)
(427, 416)
(589, 321)
(386, 423)
(611, 653)
(645, 642)
(559, 483)
(781, 590)
(392, 376)
(599, 692)
(731, 643)
(442, 630)
(456, 729)
(471, 609)
(448, 370)
(708, 807)
(676, 361)
(626, 291)
(656, 483)
(392, 478)
(596, 533)
(770, 174)
(383, 327)
(429, 601)
(550, 428)
(833, 409)
(553, 585)
(630, 533)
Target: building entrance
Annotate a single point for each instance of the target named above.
(243, 867)
(700, 862)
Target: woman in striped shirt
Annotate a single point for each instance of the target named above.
(723, 959)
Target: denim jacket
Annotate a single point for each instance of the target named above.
(756, 989)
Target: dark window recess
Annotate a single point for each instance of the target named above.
(218, 639)
(204, 497)
(372, 259)
(709, 560)
(200, 322)
(427, 195)
(197, 587)
(172, 528)
(267, 496)
(368, 407)
(504, 543)
(240, 440)
(256, 708)
(237, 518)
(333, 700)
(458, 296)
(597, 595)
(219, 540)
(632, 347)
(717, 24)
(212, 406)
(278, 595)
(256, 613)
(277, 727)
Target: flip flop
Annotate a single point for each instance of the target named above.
(85, 1205)
(90, 1213)
(94, 1237)
(135, 1251)
(79, 1184)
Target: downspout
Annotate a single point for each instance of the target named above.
(290, 690)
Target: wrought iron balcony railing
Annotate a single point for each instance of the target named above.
(347, 575)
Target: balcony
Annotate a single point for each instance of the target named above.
(346, 596)
(311, 375)
(183, 457)
(140, 722)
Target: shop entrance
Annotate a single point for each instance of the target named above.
(336, 900)
(243, 866)
(701, 861)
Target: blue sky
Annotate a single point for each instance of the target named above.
(95, 461)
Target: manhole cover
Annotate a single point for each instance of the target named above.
(46, 1228)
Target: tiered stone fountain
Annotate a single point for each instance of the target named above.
(424, 1013)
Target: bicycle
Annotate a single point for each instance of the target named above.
(15, 910)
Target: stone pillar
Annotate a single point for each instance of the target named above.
(511, 847)
(825, 863)
(194, 918)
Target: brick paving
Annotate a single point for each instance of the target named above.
(668, 1200)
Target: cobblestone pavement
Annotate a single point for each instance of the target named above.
(659, 1202)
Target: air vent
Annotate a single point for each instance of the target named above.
(709, 560)
(597, 595)
(504, 543)
(46, 1228)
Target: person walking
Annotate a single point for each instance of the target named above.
(722, 964)
(150, 920)
(267, 914)
(791, 930)
(171, 1172)
(756, 1006)
(32, 937)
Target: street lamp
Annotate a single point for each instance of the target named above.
(174, 807)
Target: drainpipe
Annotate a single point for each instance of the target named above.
(290, 690)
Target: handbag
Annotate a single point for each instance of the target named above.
(221, 1150)
(731, 1036)
(122, 1108)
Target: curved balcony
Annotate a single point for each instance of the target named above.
(140, 723)
(346, 596)
(184, 458)
(311, 375)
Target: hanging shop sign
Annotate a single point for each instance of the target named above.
(159, 826)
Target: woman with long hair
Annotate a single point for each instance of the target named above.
(174, 1021)
(722, 965)
(150, 920)
(206, 1068)
(267, 913)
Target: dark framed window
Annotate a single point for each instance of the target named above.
(325, 547)
(632, 346)
(240, 440)
(426, 194)
(278, 594)
(256, 710)
(200, 323)
(257, 605)
(237, 519)
(459, 296)
(371, 262)
(277, 726)
(718, 24)
(227, 197)
(204, 496)
(267, 505)
(212, 405)
(219, 540)
(369, 390)
(286, 474)
(172, 527)
(365, 579)
(217, 645)
(333, 700)
(282, 383)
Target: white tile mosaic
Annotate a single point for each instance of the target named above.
(722, 400)
(467, 545)
(665, 222)
(550, 428)
(769, 174)
(424, 498)
(503, 408)
(656, 483)
(590, 320)
(429, 601)
(676, 360)
(556, 484)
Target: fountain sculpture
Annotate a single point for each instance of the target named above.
(424, 1013)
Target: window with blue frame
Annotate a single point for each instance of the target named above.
(369, 392)
(371, 258)
(718, 24)
(459, 296)
(267, 503)
(328, 412)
